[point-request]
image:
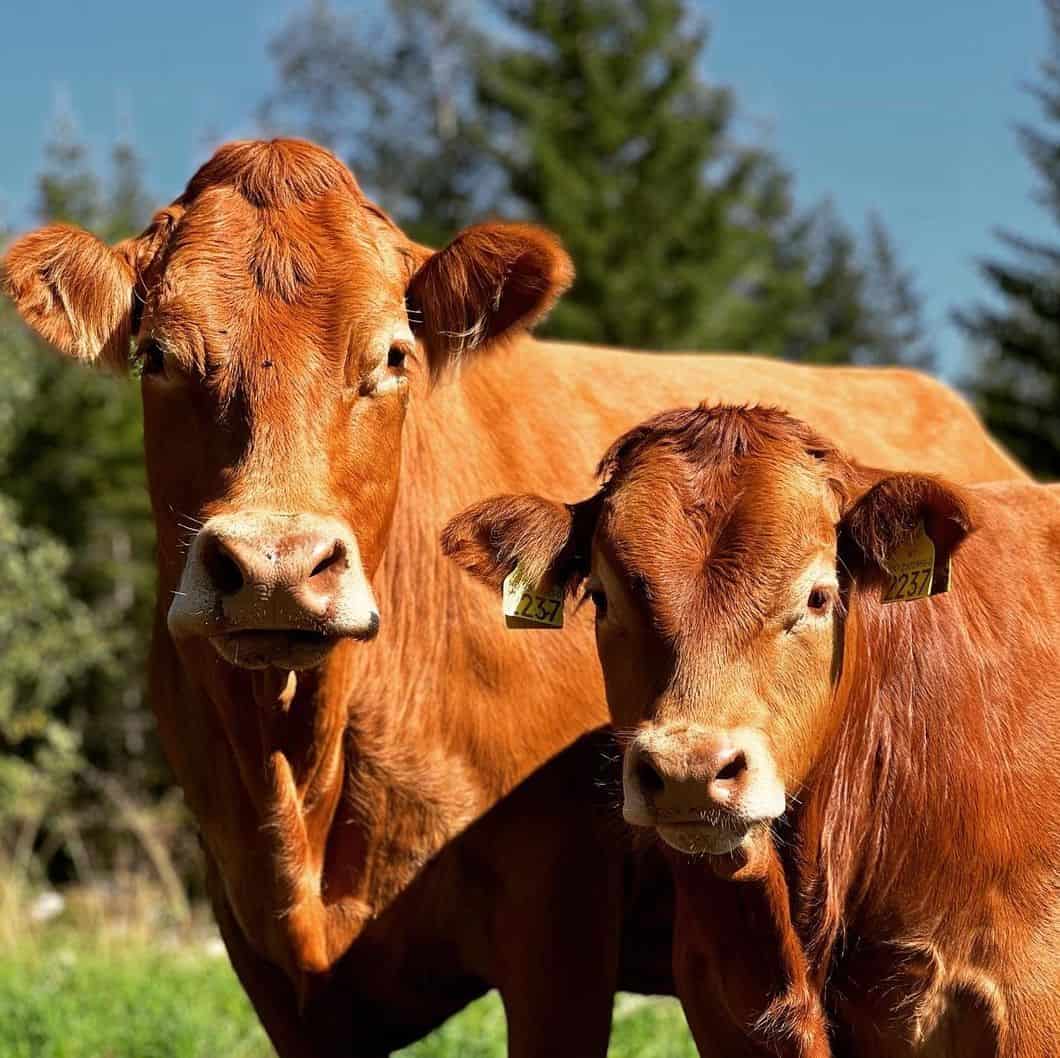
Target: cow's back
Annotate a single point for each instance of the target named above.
(537, 417)
(553, 408)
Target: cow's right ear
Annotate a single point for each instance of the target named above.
(548, 540)
(491, 282)
(75, 291)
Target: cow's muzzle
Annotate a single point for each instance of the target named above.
(272, 589)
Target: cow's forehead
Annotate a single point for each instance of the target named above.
(664, 497)
(322, 273)
(291, 253)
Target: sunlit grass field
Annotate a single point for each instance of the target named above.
(74, 995)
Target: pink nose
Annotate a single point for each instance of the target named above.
(262, 572)
(304, 569)
(679, 779)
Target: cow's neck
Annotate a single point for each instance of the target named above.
(425, 754)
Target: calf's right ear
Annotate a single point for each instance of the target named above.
(887, 514)
(75, 291)
(548, 540)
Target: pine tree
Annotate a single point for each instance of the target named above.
(622, 148)
(861, 305)
(73, 503)
(391, 95)
(827, 322)
(67, 188)
(895, 309)
(1017, 337)
(127, 206)
(683, 237)
(591, 117)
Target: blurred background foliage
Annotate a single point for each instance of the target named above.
(590, 116)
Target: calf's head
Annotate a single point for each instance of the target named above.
(720, 554)
(280, 322)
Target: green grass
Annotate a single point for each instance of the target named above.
(71, 1002)
(72, 997)
(643, 1028)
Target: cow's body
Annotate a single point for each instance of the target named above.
(477, 708)
(901, 899)
(374, 861)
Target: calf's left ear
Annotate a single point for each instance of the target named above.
(490, 282)
(886, 515)
(547, 539)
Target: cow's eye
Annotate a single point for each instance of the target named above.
(396, 357)
(152, 357)
(819, 602)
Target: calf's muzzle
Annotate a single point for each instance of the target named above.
(703, 790)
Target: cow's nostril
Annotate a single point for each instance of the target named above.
(224, 571)
(334, 557)
(227, 575)
(648, 778)
(734, 769)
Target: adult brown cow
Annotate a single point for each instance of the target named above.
(375, 861)
(882, 754)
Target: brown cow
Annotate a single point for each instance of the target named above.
(889, 768)
(383, 840)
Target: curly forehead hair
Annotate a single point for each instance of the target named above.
(714, 439)
(716, 435)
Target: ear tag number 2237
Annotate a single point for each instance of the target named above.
(912, 569)
(528, 605)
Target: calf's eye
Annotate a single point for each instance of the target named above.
(152, 357)
(819, 602)
(396, 356)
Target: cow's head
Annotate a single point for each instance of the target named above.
(280, 321)
(720, 554)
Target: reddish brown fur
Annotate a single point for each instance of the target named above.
(472, 272)
(75, 291)
(416, 820)
(912, 886)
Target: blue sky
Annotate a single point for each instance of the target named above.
(906, 108)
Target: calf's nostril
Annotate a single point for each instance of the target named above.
(734, 768)
(332, 559)
(648, 778)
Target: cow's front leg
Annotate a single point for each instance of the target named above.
(328, 1030)
(267, 987)
(559, 944)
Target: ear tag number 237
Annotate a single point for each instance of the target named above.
(912, 569)
(528, 605)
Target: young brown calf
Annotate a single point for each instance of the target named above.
(877, 781)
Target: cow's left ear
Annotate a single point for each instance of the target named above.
(884, 517)
(490, 282)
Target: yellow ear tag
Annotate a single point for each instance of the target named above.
(528, 605)
(912, 570)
